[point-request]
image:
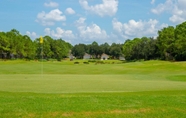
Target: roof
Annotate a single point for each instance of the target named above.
(104, 55)
(86, 54)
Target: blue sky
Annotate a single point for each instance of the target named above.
(85, 21)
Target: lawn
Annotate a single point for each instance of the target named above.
(114, 89)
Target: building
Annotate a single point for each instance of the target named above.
(122, 58)
(71, 57)
(104, 56)
(86, 56)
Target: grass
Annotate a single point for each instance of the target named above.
(138, 104)
(138, 89)
(86, 83)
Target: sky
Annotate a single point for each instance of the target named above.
(85, 21)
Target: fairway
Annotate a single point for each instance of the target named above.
(136, 89)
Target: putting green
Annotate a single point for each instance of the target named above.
(53, 83)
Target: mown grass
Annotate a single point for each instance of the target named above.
(86, 83)
(68, 67)
(153, 89)
(152, 104)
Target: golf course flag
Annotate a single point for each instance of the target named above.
(41, 39)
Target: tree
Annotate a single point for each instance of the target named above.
(105, 48)
(94, 49)
(4, 44)
(128, 49)
(115, 50)
(79, 50)
(29, 48)
(180, 43)
(48, 47)
(166, 43)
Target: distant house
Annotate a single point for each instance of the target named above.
(86, 56)
(104, 56)
(122, 58)
(71, 57)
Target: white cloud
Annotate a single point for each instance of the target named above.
(163, 7)
(51, 17)
(32, 35)
(80, 21)
(70, 11)
(179, 12)
(91, 32)
(177, 9)
(47, 31)
(107, 8)
(51, 4)
(67, 35)
(153, 1)
(137, 28)
(85, 34)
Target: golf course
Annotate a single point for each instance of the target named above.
(111, 89)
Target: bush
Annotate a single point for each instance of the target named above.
(86, 62)
(76, 62)
(91, 60)
(99, 62)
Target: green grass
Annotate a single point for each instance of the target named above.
(166, 104)
(86, 83)
(153, 89)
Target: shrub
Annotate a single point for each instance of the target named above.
(86, 62)
(91, 60)
(76, 62)
(99, 62)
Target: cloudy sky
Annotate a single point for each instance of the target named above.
(85, 21)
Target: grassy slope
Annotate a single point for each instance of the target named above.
(118, 89)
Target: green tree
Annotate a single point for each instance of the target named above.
(94, 49)
(128, 49)
(166, 43)
(180, 43)
(29, 48)
(79, 50)
(105, 48)
(4, 44)
(115, 50)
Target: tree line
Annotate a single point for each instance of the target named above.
(114, 50)
(170, 44)
(13, 45)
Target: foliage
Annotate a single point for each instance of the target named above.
(166, 42)
(96, 50)
(169, 45)
(180, 42)
(13, 45)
